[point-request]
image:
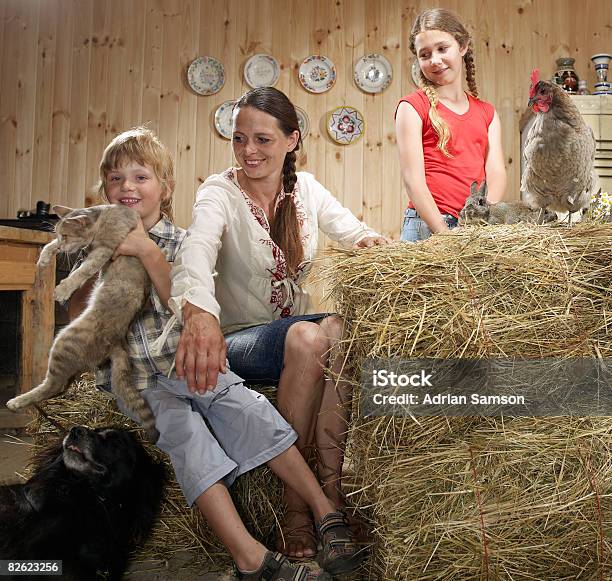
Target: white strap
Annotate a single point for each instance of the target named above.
(158, 344)
(290, 287)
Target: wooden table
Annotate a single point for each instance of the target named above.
(19, 250)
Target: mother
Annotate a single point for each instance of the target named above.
(240, 273)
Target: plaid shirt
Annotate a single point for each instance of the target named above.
(150, 322)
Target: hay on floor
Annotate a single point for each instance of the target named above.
(475, 498)
(257, 494)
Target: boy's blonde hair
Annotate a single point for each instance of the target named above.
(142, 146)
(446, 21)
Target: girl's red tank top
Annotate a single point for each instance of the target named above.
(449, 178)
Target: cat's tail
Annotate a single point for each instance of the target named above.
(121, 382)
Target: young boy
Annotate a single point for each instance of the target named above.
(245, 430)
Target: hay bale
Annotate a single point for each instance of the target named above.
(257, 494)
(482, 497)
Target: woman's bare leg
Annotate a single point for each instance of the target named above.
(300, 391)
(334, 414)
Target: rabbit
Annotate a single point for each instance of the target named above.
(478, 210)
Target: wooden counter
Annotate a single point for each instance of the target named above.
(19, 250)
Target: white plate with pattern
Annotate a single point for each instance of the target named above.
(373, 73)
(261, 70)
(345, 125)
(317, 74)
(206, 75)
(223, 119)
(303, 122)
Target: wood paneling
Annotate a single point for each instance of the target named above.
(75, 72)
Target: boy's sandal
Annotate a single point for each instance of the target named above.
(340, 552)
(276, 567)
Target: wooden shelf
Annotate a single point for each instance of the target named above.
(19, 250)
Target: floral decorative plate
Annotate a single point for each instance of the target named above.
(223, 119)
(261, 70)
(373, 73)
(303, 122)
(345, 125)
(416, 72)
(317, 74)
(206, 75)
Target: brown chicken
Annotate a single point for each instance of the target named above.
(559, 152)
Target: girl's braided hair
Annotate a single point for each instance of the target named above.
(446, 21)
(284, 228)
(142, 146)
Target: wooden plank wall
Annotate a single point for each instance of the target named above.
(76, 72)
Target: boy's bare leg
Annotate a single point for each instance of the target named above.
(292, 469)
(218, 509)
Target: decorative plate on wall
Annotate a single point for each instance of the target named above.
(303, 122)
(373, 73)
(317, 74)
(223, 119)
(416, 72)
(261, 70)
(206, 75)
(345, 125)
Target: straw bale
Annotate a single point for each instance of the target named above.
(497, 498)
(257, 494)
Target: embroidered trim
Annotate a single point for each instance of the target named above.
(279, 296)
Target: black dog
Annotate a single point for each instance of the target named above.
(92, 498)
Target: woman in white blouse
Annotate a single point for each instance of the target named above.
(240, 273)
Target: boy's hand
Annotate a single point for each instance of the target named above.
(136, 243)
(201, 351)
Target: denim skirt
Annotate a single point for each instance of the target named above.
(257, 354)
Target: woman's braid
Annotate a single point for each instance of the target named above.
(289, 175)
(285, 227)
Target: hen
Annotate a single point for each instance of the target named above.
(559, 152)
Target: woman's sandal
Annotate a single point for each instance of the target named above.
(277, 567)
(303, 534)
(340, 552)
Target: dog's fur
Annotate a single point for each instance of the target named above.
(91, 499)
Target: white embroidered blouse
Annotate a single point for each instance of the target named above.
(229, 266)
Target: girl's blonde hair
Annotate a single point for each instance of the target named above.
(446, 21)
(142, 146)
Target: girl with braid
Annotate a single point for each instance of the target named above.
(237, 287)
(447, 138)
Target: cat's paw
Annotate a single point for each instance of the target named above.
(43, 261)
(63, 291)
(15, 404)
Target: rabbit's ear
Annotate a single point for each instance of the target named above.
(483, 189)
(474, 189)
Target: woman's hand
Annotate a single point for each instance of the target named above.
(370, 241)
(136, 243)
(201, 350)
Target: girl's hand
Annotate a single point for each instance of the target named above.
(370, 241)
(136, 243)
(201, 351)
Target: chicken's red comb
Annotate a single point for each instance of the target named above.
(535, 77)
